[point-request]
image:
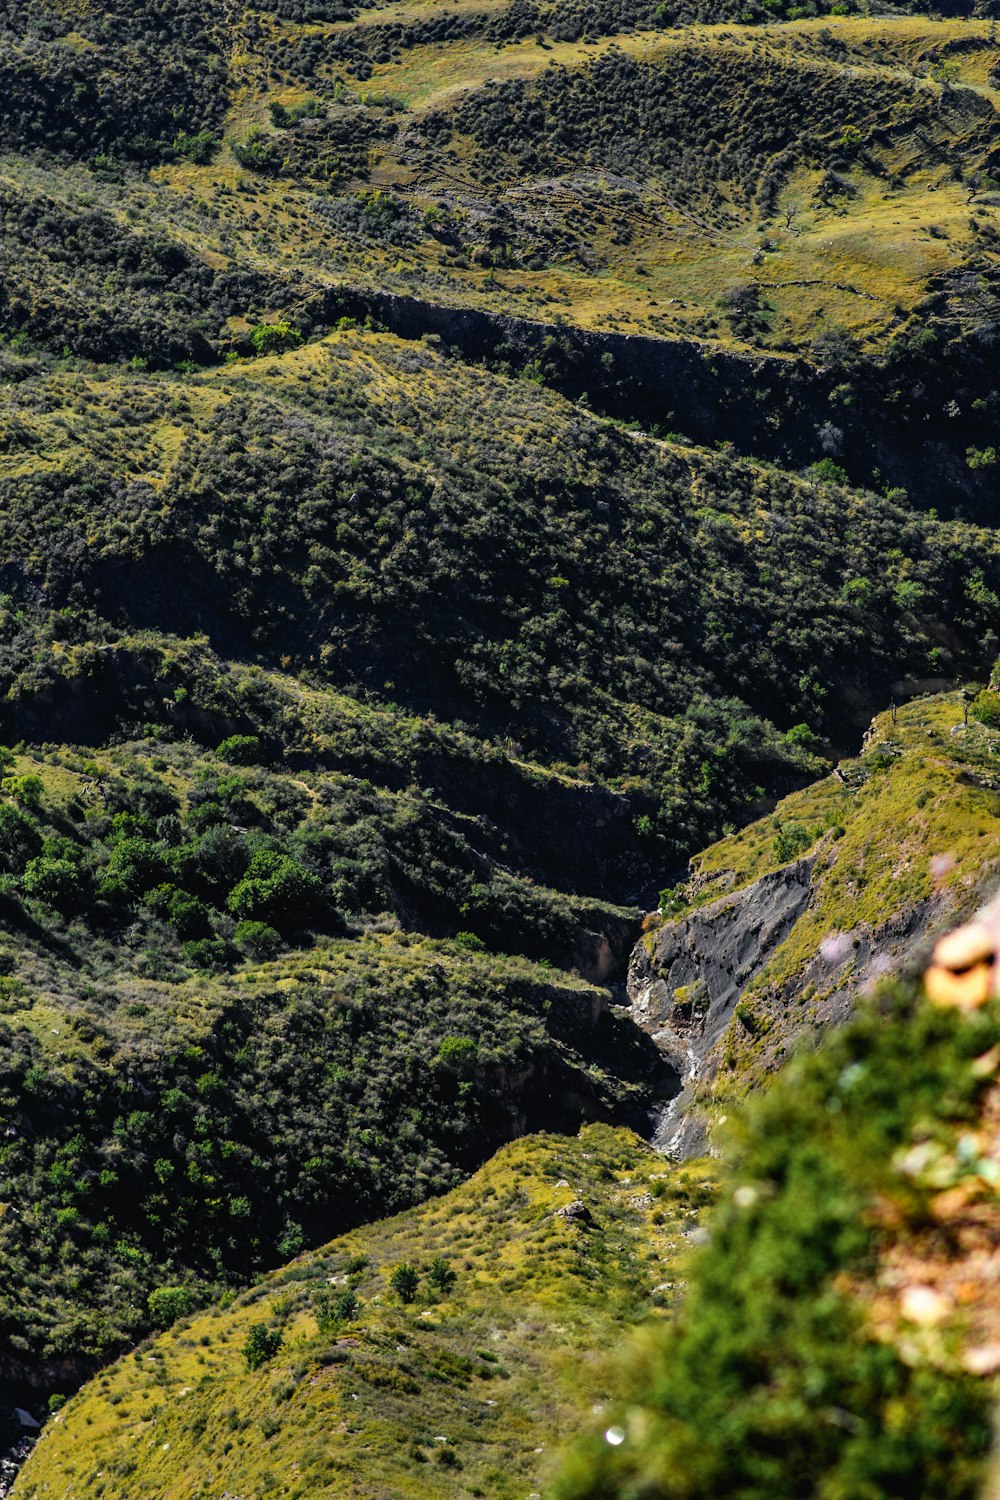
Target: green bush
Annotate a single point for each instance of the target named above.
(274, 338)
(791, 840)
(986, 708)
(55, 882)
(404, 1280)
(801, 734)
(277, 890)
(19, 838)
(262, 1344)
(335, 1308)
(440, 1274)
(257, 940)
(25, 790)
(198, 148)
(241, 749)
(168, 1303)
(256, 151)
(825, 471)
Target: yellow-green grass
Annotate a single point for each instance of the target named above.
(464, 1392)
(856, 263)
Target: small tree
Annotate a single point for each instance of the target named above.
(27, 790)
(168, 1303)
(54, 882)
(404, 1281)
(258, 941)
(440, 1274)
(241, 750)
(262, 1343)
(275, 338)
(335, 1308)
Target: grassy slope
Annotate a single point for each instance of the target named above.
(458, 1393)
(397, 568)
(915, 835)
(483, 751)
(644, 233)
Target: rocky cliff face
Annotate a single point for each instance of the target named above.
(783, 925)
(701, 979)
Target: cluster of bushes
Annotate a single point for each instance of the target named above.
(314, 149)
(723, 134)
(130, 296)
(190, 1136)
(442, 555)
(258, 859)
(143, 74)
(306, 57)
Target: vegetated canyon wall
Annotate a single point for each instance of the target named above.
(699, 980)
(912, 418)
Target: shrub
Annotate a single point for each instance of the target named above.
(262, 1344)
(54, 882)
(241, 749)
(257, 152)
(791, 840)
(257, 940)
(198, 148)
(471, 941)
(168, 1303)
(278, 891)
(825, 471)
(458, 1054)
(441, 1275)
(335, 1308)
(801, 734)
(404, 1280)
(273, 338)
(986, 708)
(25, 790)
(19, 838)
(210, 954)
(134, 867)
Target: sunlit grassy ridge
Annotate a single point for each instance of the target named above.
(842, 192)
(484, 659)
(465, 1391)
(901, 841)
(924, 773)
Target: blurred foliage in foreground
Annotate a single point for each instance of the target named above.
(835, 1337)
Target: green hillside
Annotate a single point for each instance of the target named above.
(541, 1261)
(838, 1337)
(780, 927)
(457, 462)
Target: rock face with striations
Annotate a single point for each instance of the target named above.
(687, 979)
(684, 984)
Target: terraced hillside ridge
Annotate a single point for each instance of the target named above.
(848, 1274)
(806, 206)
(461, 1382)
(456, 460)
(327, 632)
(781, 927)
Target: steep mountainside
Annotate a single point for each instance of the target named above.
(459, 458)
(837, 1336)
